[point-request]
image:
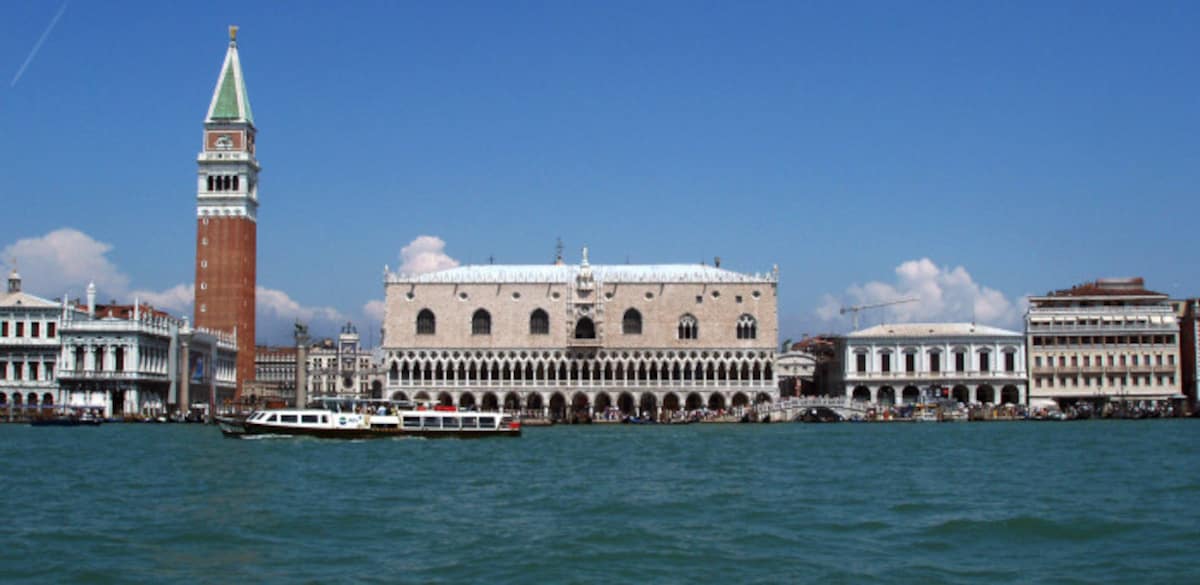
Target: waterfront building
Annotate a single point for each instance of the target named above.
(1102, 341)
(227, 213)
(344, 368)
(29, 345)
(903, 363)
(1188, 313)
(561, 339)
(274, 375)
(126, 360)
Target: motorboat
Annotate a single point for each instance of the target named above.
(362, 419)
(68, 419)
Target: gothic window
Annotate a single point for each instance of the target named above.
(210, 183)
(585, 329)
(632, 323)
(235, 182)
(689, 328)
(481, 323)
(747, 327)
(227, 182)
(539, 323)
(426, 322)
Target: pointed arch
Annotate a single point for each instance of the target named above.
(481, 322)
(585, 328)
(426, 322)
(689, 327)
(631, 323)
(747, 327)
(539, 322)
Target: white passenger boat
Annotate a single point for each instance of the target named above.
(360, 419)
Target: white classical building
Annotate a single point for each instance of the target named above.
(571, 340)
(29, 347)
(893, 364)
(1104, 340)
(126, 360)
(344, 368)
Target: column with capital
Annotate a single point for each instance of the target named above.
(185, 372)
(301, 337)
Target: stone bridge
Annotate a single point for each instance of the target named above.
(791, 409)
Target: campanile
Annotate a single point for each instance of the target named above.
(227, 214)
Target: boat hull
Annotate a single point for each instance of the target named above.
(235, 428)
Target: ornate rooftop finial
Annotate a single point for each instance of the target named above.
(585, 258)
(233, 33)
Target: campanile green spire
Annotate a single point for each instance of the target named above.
(230, 102)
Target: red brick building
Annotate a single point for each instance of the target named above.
(227, 212)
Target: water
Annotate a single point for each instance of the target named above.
(1083, 502)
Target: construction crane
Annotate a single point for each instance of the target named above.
(856, 308)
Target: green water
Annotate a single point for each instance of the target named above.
(1083, 502)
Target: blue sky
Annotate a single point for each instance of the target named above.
(968, 153)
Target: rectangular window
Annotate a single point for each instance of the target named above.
(910, 363)
(20, 329)
(18, 371)
(885, 363)
(3, 328)
(33, 371)
(861, 363)
(49, 367)
(450, 422)
(1171, 360)
(3, 370)
(432, 422)
(985, 362)
(35, 329)
(487, 422)
(308, 418)
(960, 361)
(412, 422)
(470, 422)
(935, 362)
(1010, 362)
(287, 418)
(1037, 361)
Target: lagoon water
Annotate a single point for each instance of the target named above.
(1083, 502)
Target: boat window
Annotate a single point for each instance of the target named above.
(487, 422)
(287, 418)
(431, 422)
(450, 422)
(505, 421)
(308, 418)
(325, 419)
(271, 419)
(470, 422)
(412, 422)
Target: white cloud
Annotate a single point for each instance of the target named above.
(177, 299)
(375, 310)
(942, 293)
(425, 254)
(64, 261)
(276, 303)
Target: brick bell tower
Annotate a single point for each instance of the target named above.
(227, 214)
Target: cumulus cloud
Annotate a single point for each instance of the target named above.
(425, 254)
(63, 261)
(177, 299)
(942, 293)
(374, 310)
(276, 303)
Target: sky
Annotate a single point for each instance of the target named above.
(966, 154)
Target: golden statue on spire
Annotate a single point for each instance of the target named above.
(233, 33)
